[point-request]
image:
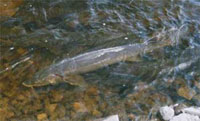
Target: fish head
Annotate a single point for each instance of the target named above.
(43, 78)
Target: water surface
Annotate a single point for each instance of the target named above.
(39, 33)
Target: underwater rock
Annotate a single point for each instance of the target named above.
(183, 113)
(185, 117)
(56, 96)
(5, 114)
(92, 91)
(192, 111)
(80, 107)
(51, 108)
(179, 107)
(197, 84)
(42, 116)
(131, 117)
(186, 92)
(110, 118)
(9, 7)
(167, 112)
(96, 113)
(58, 113)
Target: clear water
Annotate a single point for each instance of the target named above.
(42, 32)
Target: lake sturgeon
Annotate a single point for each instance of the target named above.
(90, 61)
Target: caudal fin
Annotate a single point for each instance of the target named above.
(170, 36)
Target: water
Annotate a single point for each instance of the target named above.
(40, 33)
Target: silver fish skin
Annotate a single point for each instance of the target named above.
(91, 61)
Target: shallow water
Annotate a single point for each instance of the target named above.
(36, 34)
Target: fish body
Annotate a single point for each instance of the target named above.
(91, 61)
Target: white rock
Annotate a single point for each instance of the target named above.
(185, 117)
(112, 118)
(192, 111)
(167, 112)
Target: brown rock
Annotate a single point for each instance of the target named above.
(84, 18)
(5, 114)
(9, 7)
(186, 92)
(96, 113)
(42, 117)
(21, 51)
(131, 117)
(80, 107)
(197, 84)
(51, 108)
(92, 91)
(197, 97)
(60, 112)
(57, 96)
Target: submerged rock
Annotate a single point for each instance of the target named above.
(80, 107)
(184, 114)
(110, 118)
(167, 112)
(185, 117)
(186, 92)
(192, 111)
(42, 116)
(9, 7)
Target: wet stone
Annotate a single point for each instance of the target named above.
(5, 114)
(96, 113)
(9, 7)
(51, 108)
(92, 91)
(58, 113)
(186, 92)
(21, 51)
(84, 18)
(131, 117)
(167, 112)
(178, 108)
(42, 117)
(80, 107)
(197, 84)
(56, 96)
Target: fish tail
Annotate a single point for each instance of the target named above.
(171, 36)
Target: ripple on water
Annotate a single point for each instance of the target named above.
(36, 34)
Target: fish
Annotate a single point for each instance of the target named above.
(67, 69)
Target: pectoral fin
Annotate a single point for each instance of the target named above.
(134, 59)
(76, 80)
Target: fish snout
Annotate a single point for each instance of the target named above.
(27, 83)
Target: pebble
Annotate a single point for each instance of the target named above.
(185, 117)
(42, 116)
(80, 107)
(96, 113)
(110, 118)
(197, 84)
(12, 48)
(167, 112)
(179, 107)
(126, 38)
(51, 108)
(186, 92)
(131, 117)
(192, 111)
(184, 113)
(9, 7)
(57, 96)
